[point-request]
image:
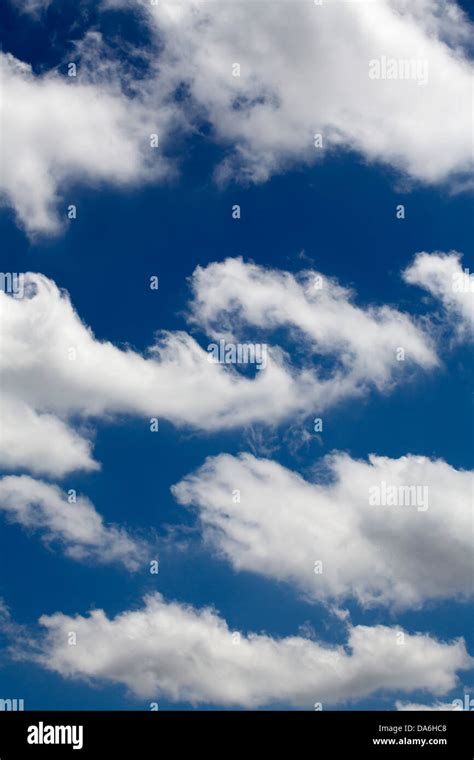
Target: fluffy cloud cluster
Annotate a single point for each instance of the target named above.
(180, 653)
(442, 275)
(407, 548)
(40, 442)
(53, 369)
(269, 77)
(58, 129)
(305, 70)
(317, 312)
(76, 527)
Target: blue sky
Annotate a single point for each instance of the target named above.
(335, 216)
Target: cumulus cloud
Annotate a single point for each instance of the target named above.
(309, 69)
(40, 442)
(319, 313)
(184, 654)
(305, 70)
(57, 130)
(53, 369)
(411, 546)
(76, 527)
(442, 275)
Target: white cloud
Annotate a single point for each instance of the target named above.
(442, 275)
(177, 652)
(58, 129)
(436, 707)
(76, 527)
(53, 369)
(305, 70)
(380, 555)
(41, 443)
(319, 313)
